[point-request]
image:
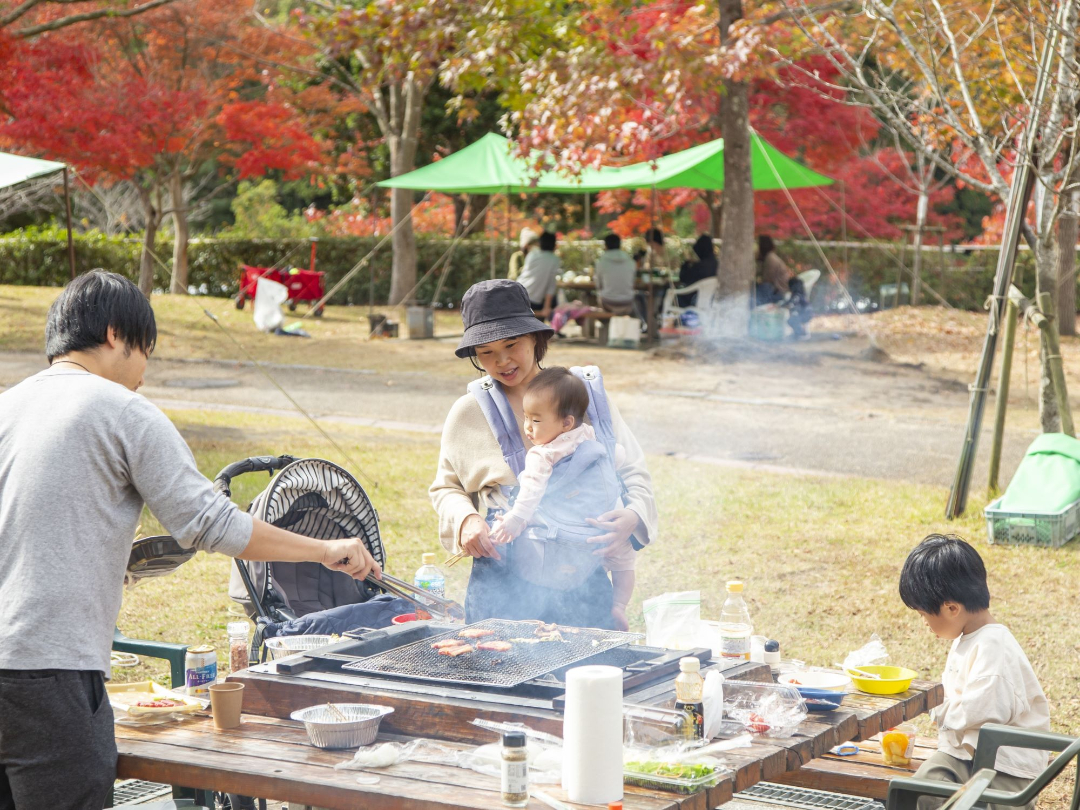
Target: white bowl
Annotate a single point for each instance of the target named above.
(832, 681)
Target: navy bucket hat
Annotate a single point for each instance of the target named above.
(496, 309)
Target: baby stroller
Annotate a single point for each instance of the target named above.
(317, 498)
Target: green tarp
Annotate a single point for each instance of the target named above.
(489, 166)
(1048, 478)
(15, 169)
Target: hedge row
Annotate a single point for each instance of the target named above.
(40, 258)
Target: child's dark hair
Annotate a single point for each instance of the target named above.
(570, 394)
(79, 319)
(944, 568)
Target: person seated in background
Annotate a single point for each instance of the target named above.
(615, 277)
(540, 276)
(657, 253)
(987, 678)
(527, 242)
(777, 284)
(703, 266)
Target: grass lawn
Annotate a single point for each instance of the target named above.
(820, 557)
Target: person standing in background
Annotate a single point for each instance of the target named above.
(526, 243)
(657, 254)
(540, 276)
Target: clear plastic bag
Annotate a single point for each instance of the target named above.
(764, 708)
(873, 652)
(673, 620)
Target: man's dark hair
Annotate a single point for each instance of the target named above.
(570, 394)
(547, 241)
(80, 318)
(943, 568)
(654, 236)
(612, 241)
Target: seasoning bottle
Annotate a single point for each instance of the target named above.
(515, 770)
(688, 697)
(239, 649)
(735, 625)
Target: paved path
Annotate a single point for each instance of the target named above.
(820, 411)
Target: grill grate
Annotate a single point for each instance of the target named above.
(500, 669)
(136, 791)
(805, 798)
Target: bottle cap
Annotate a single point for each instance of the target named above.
(427, 559)
(514, 739)
(734, 586)
(772, 646)
(614, 806)
(689, 664)
(237, 628)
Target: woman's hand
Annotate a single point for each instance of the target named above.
(475, 540)
(619, 524)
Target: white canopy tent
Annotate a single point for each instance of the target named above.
(16, 170)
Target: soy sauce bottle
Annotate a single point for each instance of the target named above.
(689, 686)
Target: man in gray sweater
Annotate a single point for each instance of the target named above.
(80, 454)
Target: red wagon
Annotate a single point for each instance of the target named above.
(305, 286)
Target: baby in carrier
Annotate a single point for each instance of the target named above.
(555, 404)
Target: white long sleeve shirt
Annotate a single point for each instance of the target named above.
(988, 679)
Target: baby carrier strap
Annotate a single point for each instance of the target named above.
(500, 417)
(599, 412)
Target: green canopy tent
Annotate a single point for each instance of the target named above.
(16, 170)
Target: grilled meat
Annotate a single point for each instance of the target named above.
(447, 642)
(454, 652)
(476, 633)
(495, 646)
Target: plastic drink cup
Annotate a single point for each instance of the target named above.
(225, 702)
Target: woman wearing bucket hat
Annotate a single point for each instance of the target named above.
(504, 339)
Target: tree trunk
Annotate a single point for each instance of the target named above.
(715, 204)
(461, 209)
(476, 212)
(916, 264)
(402, 140)
(152, 213)
(1068, 232)
(1046, 263)
(737, 227)
(181, 234)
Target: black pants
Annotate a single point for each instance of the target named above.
(57, 749)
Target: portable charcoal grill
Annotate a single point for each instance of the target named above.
(529, 657)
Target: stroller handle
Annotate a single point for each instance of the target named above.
(269, 464)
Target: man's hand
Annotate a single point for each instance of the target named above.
(476, 540)
(352, 557)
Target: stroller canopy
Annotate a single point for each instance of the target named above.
(315, 498)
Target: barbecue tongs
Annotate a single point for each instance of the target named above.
(425, 600)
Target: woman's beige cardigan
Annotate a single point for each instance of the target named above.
(472, 470)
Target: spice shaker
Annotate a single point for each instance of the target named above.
(239, 649)
(515, 770)
(772, 656)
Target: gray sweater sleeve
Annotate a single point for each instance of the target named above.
(163, 470)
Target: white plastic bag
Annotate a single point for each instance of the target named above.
(871, 653)
(713, 698)
(624, 332)
(269, 296)
(673, 620)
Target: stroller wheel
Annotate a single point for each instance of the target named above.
(318, 313)
(292, 306)
(240, 301)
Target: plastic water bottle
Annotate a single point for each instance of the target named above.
(735, 625)
(429, 577)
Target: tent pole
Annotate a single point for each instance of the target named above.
(588, 212)
(67, 207)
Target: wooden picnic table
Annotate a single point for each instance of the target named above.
(649, 286)
(269, 757)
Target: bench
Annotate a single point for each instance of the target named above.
(864, 774)
(603, 318)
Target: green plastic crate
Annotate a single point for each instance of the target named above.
(1051, 530)
(767, 323)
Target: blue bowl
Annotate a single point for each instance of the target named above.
(821, 700)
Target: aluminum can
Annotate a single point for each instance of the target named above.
(200, 670)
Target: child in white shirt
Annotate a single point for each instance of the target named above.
(555, 403)
(987, 677)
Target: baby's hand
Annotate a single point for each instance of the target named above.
(506, 528)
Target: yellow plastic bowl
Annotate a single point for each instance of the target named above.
(893, 680)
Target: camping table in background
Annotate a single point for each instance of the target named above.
(647, 286)
(270, 758)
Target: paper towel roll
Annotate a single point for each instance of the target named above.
(592, 735)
